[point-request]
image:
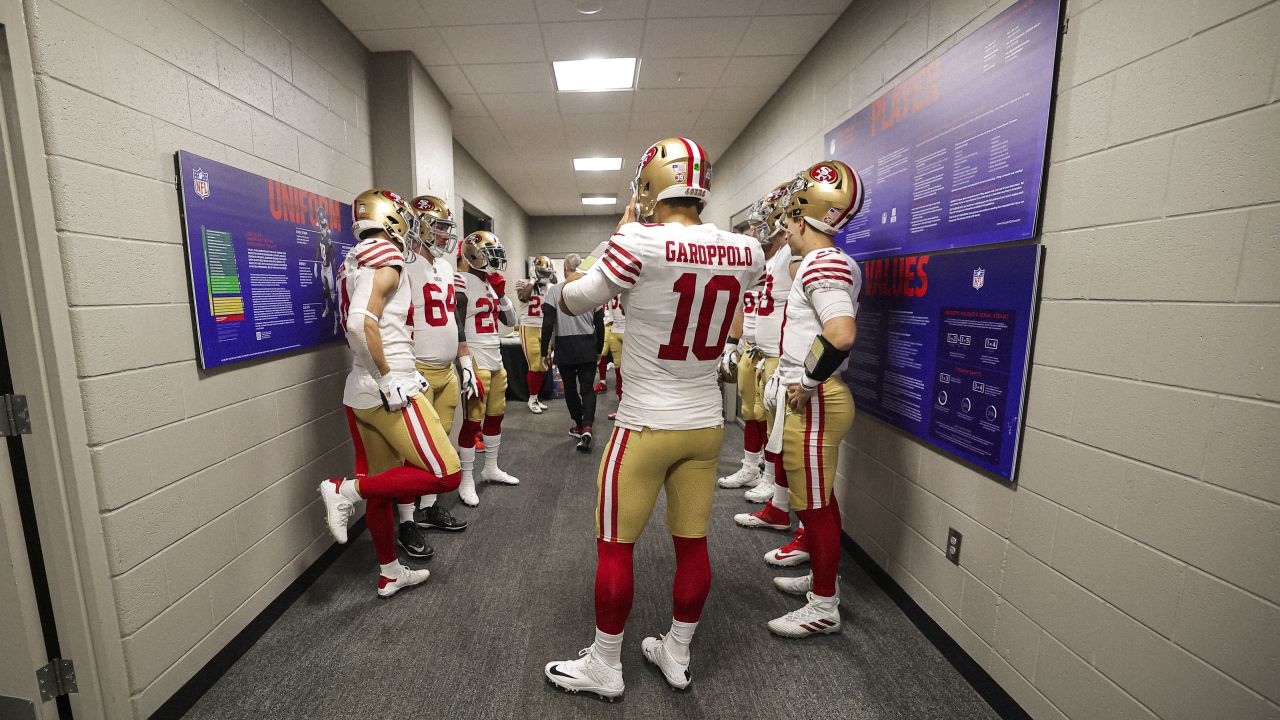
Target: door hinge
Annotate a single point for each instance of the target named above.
(15, 418)
(57, 678)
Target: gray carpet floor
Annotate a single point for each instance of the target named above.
(515, 591)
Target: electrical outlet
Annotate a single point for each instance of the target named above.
(954, 539)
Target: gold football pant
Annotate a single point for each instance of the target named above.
(531, 341)
(639, 463)
(494, 401)
(748, 387)
(811, 444)
(443, 393)
(385, 439)
(762, 381)
(613, 346)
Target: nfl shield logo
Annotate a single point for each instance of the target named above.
(979, 276)
(201, 182)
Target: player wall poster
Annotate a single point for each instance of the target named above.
(943, 347)
(263, 260)
(953, 156)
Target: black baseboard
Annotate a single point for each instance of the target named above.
(199, 684)
(973, 673)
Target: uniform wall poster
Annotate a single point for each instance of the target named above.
(953, 156)
(943, 347)
(263, 260)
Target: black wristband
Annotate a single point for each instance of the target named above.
(731, 340)
(823, 360)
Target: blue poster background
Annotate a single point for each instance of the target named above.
(954, 155)
(263, 259)
(943, 348)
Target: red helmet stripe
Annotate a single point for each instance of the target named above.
(855, 202)
(688, 149)
(702, 171)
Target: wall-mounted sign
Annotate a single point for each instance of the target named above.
(943, 348)
(263, 260)
(953, 156)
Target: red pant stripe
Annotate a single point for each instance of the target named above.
(415, 434)
(437, 464)
(362, 460)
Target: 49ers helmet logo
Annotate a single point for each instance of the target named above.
(394, 197)
(425, 204)
(823, 173)
(648, 155)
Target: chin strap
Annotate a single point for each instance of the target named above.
(821, 363)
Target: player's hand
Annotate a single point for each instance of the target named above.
(771, 389)
(546, 363)
(397, 391)
(628, 215)
(729, 363)
(523, 284)
(798, 398)
(423, 384)
(498, 283)
(468, 381)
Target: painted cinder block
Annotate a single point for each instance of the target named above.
(219, 116)
(1079, 690)
(1191, 258)
(980, 497)
(122, 404)
(194, 558)
(1260, 266)
(978, 608)
(1231, 629)
(308, 76)
(1232, 160)
(264, 43)
(1111, 186)
(141, 594)
(1220, 348)
(173, 36)
(1111, 34)
(112, 339)
(65, 46)
(1117, 335)
(1065, 610)
(1017, 639)
(983, 552)
(140, 464)
(1106, 411)
(134, 77)
(1081, 118)
(87, 127)
(221, 16)
(275, 141)
(1035, 521)
(1243, 454)
(163, 640)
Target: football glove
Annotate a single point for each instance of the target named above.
(771, 390)
(398, 391)
(498, 283)
(729, 362)
(467, 380)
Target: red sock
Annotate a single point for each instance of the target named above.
(603, 367)
(822, 530)
(779, 471)
(380, 517)
(617, 377)
(406, 481)
(467, 434)
(615, 584)
(754, 436)
(535, 382)
(693, 579)
(493, 425)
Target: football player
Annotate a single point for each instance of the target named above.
(681, 282)
(531, 296)
(482, 298)
(817, 335)
(772, 490)
(393, 426)
(437, 344)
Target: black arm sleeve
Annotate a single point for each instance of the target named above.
(598, 318)
(549, 317)
(460, 313)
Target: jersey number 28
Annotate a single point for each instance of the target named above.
(719, 295)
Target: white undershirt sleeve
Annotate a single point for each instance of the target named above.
(832, 303)
(588, 292)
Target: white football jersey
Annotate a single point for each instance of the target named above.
(749, 300)
(355, 288)
(481, 326)
(772, 301)
(531, 312)
(617, 315)
(434, 325)
(682, 287)
(824, 269)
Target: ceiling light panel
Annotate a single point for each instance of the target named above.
(597, 164)
(598, 75)
(599, 199)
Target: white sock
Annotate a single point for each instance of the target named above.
(404, 513)
(348, 490)
(678, 639)
(609, 648)
(427, 501)
(801, 524)
(751, 460)
(467, 458)
(768, 472)
(780, 500)
(391, 570)
(826, 601)
(491, 443)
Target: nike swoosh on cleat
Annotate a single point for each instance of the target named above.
(556, 671)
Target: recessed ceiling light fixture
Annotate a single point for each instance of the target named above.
(597, 164)
(599, 75)
(599, 199)
(588, 7)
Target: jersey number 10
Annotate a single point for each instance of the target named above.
(687, 287)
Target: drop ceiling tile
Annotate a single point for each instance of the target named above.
(389, 14)
(681, 72)
(509, 77)
(468, 106)
(533, 108)
(739, 98)
(423, 42)
(802, 7)
(566, 10)
(697, 37)
(451, 80)
(480, 136)
(597, 122)
(606, 182)
(479, 12)
(759, 70)
(670, 99)
(534, 140)
(791, 35)
(572, 103)
(577, 41)
(701, 8)
(717, 118)
(480, 44)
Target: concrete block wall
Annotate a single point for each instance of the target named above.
(558, 236)
(1132, 572)
(473, 184)
(205, 480)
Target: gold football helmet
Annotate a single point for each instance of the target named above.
(671, 168)
(384, 210)
(542, 268)
(827, 196)
(483, 251)
(437, 225)
(765, 213)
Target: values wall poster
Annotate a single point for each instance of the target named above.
(263, 259)
(954, 155)
(943, 348)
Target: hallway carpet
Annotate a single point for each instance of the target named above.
(515, 591)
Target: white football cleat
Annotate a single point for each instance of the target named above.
(762, 492)
(496, 474)
(541, 404)
(793, 553)
(586, 674)
(408, 578)
(747, 476)
(534, 406)
(338, 510)
(794, 585)
(467, 490)
(676, 672)
(820, 615)
(769, 517)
